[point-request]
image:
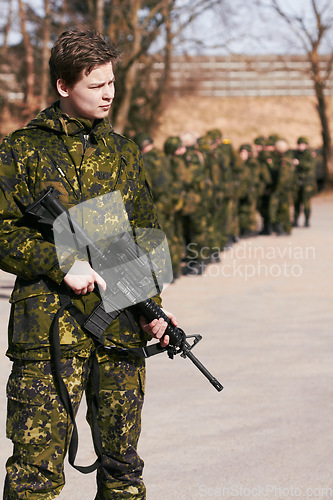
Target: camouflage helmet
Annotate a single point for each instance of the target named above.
(214, 134)
(272, 139)
(171, 145)
(247, 147)
(302, 140)
(204, 142)
(260, 140)
(142, 139)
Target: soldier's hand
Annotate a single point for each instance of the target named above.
(81, 278)
(157, 327)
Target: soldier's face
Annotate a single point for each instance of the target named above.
(302, 146)
(244, 154)
(91, 97)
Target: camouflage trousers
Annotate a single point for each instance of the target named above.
(247, 215)
(303, 198)
(230, 217)
(279, 210)
(40, 428)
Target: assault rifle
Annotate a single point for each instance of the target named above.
(129, 283)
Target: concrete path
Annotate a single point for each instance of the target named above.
(266, 316)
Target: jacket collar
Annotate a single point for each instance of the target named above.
(52, 118)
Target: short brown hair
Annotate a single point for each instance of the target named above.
(77, 51)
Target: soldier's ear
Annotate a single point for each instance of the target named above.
(62, 88)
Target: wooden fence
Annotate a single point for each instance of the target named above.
(242, 76)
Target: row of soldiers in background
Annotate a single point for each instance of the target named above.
(207, 195)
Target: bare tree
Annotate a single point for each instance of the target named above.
(143, 30)
(139, 26)
(99, 15)
(7, 26)
(135, 24)
(45, 55)
(161, 92)
(314, 32)
(29, 58)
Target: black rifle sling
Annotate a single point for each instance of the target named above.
(64, 396)
(55, 353)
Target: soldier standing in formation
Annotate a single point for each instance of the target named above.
(248, 203)
(265, 160)
(219, 194)
(305, 180)
(282, 181)
(167, 196)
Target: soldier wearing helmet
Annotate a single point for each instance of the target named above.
(305, 180)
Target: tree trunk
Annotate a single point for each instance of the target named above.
(322, 111)
(161, 92)
(123, 110)
(325, 131)
(7, 27)
(63, 15)
(29, 59)
(131, 74)
(99, 15)
(45, 55)
(92, 13)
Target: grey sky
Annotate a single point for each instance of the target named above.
(251, 30)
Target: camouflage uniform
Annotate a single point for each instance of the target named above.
(230, 166)
(279, 203)
(214, 193)
(50, 152)
(177, 171)
(265, 161)
(249, 193)
(197, 218)
(166, 196)
(305, 181)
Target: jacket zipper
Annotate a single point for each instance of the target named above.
(64, 176)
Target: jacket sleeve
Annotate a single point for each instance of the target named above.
(23, 250)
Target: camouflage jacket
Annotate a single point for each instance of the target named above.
(159, 178)
(282, 173)
(50, 151)
(305, 171)
(251, 182)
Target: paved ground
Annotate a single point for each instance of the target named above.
(266, 317)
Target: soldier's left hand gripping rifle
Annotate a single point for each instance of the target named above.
(129, 279)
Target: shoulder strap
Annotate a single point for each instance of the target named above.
(63, 394)
(55, 353)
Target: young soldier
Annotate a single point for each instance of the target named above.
(282, 175)
(165, 195)
(305, 173)
(71, 147)
(249, 192)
